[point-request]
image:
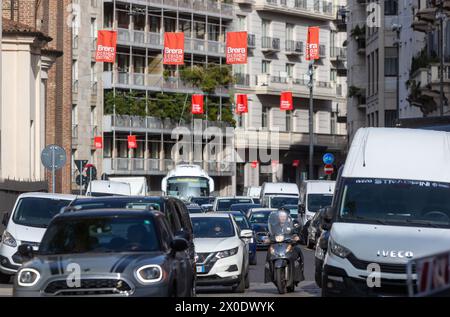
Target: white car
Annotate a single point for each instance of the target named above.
(225, 203)
(26, 224)
(221, 253)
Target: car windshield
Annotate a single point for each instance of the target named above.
(278, 202)
(241, 221)
(397, 202)
(202, 200)
(212, 227)
(37, 212)
(125, 203)
(319, 201)
(225, 204)
(89, 235)
(185, 187)
(259, 217)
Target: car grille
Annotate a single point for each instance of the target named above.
(89, 287)
(385, 267)
(201, 257)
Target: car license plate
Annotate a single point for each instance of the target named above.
(201, 269)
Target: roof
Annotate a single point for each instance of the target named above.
(211, 215)
(107, 213)
(14, 27)
(120, 198)
(48, 195)
(235, 197)
(390, 153)
(263, 209)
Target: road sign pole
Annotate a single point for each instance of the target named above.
(81, 183)
(53, 171)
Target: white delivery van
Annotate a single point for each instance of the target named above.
(277, 195)
(392, 204)
(108, 188)
(255, 193)
(315, 195)
(138, 185)
(26, 224)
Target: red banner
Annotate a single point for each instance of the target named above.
(132, 142)
(296, 163)
(106, 46)
(237, 48)
(312, 44)
(255, 164)
(174, 48)
(287, 102)
(197, 104)
(98, 142)
(241, 104)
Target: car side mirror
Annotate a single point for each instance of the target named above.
(246, 234)
(26, 251)
(179, 244)
(183, 234)
(327, 219)
(5, 219)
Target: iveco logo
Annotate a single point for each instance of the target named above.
(395, 254)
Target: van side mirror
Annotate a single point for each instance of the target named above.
(5, 219)
(26, 251)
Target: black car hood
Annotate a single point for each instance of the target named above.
(260, 227)
(95, 263)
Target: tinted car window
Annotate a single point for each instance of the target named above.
(202, 200)
(37, 212)
(213, 227)
(122, 203)
(225, 204)
(318, 201)
(259, 217)
(84, 235)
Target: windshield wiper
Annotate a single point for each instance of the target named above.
(380, 221)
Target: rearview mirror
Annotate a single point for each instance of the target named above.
(26, 251)
(179, 244)
(5, 219)
(246, 234)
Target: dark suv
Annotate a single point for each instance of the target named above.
(174, 209)
(107, 253)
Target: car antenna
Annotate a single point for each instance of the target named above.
(366, 138)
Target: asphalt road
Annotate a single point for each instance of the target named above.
(307, 288)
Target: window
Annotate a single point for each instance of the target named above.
(333, 75)
(265, 28)
(391, 7)
(241, 22)
(154, 23)
(290, 70)
(390, 118)
(289, 32)
(265, 67)
(390, 62)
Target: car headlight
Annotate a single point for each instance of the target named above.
(227, 253)
(279, 238)
(149, 274)
(28, 277)
(9, 240)
(338, 249)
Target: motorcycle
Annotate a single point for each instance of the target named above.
(284, 262)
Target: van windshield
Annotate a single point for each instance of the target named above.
(37, 212)
(396, 202)
(278, 202)
(319, 201)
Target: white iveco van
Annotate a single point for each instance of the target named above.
(392, 204)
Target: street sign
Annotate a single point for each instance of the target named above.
(328, 169)
(81, 164)
(328, 159)
(53, 157)
(433, 275)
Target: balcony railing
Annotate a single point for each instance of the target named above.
(319, 7)
(294, 46)
(242, 79)
(338, 52)
(270, 43)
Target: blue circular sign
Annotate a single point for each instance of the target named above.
(328, 159)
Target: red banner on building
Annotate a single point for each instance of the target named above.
(106, 46)
(287, 102)
(237, 48)
(296, 163)
(98, 142)
(312, 43)
(174, 48)
(241, 104)
(132, 142)
(255, 164)
(197, 104)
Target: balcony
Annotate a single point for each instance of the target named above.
(338, 54)
(294, 47)
(270, 44)
(322, 51)
(251, 41)
(204, 7)
(361, 45)
(320, 10)
(242, 79)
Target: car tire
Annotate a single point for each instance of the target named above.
(5, 278)
(247, 281)
(240, 287)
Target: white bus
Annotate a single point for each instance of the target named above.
(186, 181)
